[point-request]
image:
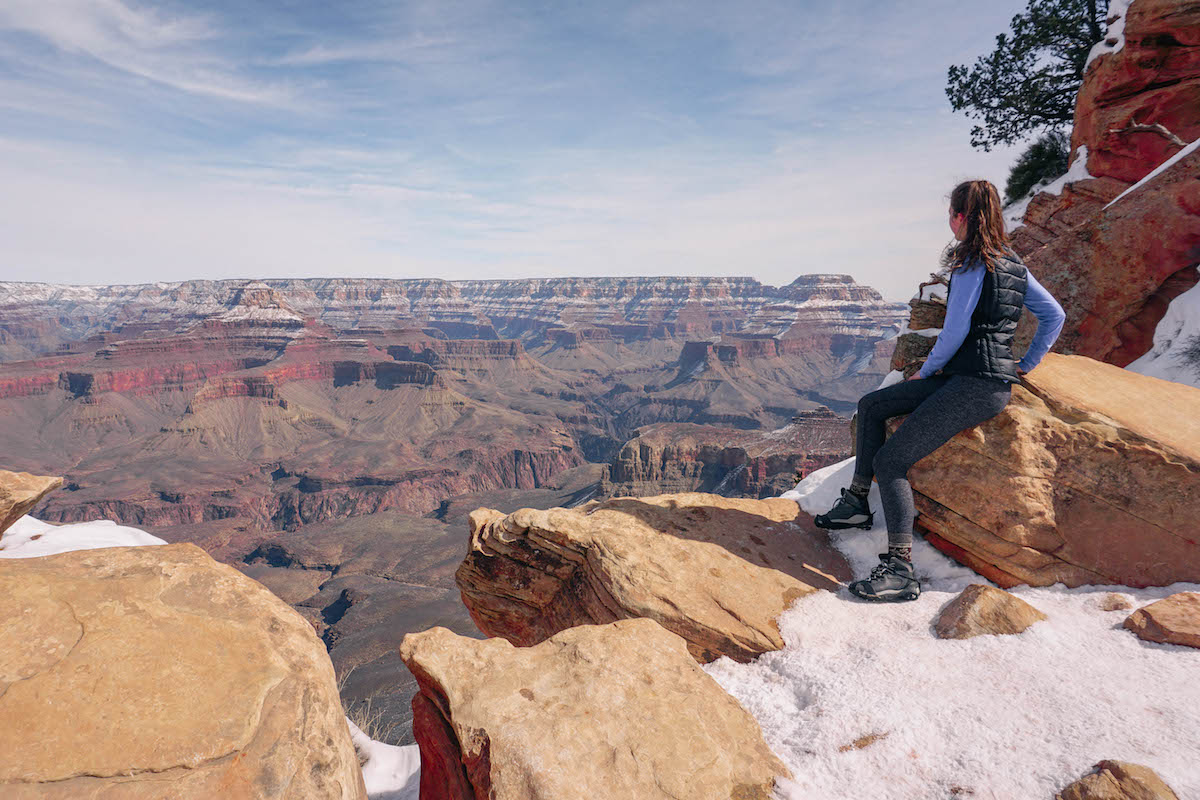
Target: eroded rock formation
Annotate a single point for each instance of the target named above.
(682, 457)
(618, 711)
(1090, 476)
(144, 672)
(1116, 264)
(716, 571)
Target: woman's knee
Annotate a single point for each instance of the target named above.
(867, 402)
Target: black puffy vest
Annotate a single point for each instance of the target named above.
(987, 350)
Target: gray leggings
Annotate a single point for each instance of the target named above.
(937, 408)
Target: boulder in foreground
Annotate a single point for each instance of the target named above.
(1118, 780)
(20, 492)
(618, 711)
(980, 610)
(1090, 476)
(153, 672)
(1172, 620)
(716, 571)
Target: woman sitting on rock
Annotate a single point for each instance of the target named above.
(966, 380)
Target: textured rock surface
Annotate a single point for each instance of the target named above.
(20, 492)
(1115, 268)
(716, 571)
(1154, 79)
(1090, 476)
(156, 672)
(1118, 780)
(682, 457)
(981, 610)
(618, 711)
(1172, 620)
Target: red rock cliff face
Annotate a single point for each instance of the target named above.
(1114, 263)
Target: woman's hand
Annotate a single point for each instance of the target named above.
(916, 376)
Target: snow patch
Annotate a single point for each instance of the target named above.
(1014, 214)
(1175, 355)
(990, 718)
(892, 378)
(1114, 39)
(390, 772)
(31, 538)
(1161, 168)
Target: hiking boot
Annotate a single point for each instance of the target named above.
(892, 581)
(851, 511)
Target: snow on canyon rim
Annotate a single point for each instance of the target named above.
(993, 717)
(390, 772)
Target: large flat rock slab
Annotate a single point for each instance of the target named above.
(618, 711)
(1090, 476)
(716, 571)
(150, 672)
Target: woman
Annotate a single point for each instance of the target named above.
(966, 380)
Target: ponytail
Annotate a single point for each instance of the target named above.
(986, 238)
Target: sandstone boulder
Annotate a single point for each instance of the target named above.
(615, 711)
(715, 570)
(154, 672)
(1172, 620)
(1118, 780)
(20, 492)
(1090, 476)
(979, 610)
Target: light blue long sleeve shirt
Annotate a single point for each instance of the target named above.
(960, 305)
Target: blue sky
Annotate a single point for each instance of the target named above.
(164, 141)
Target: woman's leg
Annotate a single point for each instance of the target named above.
(961, 402)
(874, 410)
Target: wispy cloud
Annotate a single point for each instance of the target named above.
(168, 49)
(398, 138)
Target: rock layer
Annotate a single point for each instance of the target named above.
(150, 672)
(20, 492)
(981, 610)
(1090, 476)
(1173, 620)
(615, 711)
(716, 571)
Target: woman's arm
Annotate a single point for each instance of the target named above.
(965, 289)
(1050, 319)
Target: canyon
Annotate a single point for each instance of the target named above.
(329, 437)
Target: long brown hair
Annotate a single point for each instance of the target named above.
(986, 238)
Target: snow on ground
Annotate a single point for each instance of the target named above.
(29, 537)
(1014, 214)
(1175, 355)
(391, 773)
(999, 717)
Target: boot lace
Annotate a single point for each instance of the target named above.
(881, 571)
